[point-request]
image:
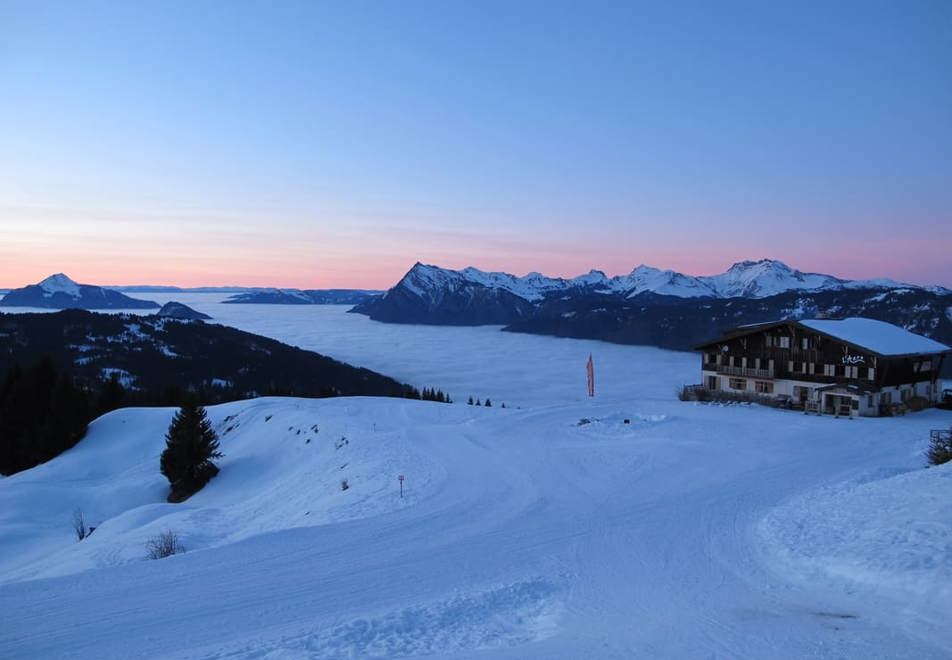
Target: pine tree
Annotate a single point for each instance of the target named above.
(111, 396)
(190, 445)
(469, 401)
(488, 404)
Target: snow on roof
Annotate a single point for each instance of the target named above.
(878, 336)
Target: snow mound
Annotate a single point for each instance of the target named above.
(618, 423)
(284, 465)
(889, 530)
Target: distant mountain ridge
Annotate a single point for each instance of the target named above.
(303, 297)
(60, 292)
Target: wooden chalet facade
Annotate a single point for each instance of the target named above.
(853, 366)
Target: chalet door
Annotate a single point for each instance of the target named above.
(712, 382)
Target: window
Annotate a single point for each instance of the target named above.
(763, 387)
(768, 341)
(869, 401)
(712, 382)
(885, 398)
(870, 374)
(851, 372)
(738, 384)
(906, 395)
(812, 368)
(829, 370)
(925, 365)
(784, 342)
(805, 343)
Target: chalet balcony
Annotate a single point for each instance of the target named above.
(744, 372)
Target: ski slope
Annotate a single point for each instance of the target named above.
(521, 534)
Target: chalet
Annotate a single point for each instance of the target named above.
(853, 366)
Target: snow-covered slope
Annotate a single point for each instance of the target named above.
(60, 292)
(887, 530)
(284, 463)
(521, 534)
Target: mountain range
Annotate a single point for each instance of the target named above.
(652, 306)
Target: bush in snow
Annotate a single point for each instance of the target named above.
(164, 545)
(79, 525)
(940, 447)
(190, 446)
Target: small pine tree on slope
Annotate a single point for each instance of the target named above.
(190, 445)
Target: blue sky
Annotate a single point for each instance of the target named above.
(334, 144)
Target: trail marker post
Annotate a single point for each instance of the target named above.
(590, 371)
(400, 479)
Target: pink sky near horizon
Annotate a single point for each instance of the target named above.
(378, 262)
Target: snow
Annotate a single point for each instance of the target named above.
(126, 379)
(888, 531)
(877, 336)
(690, 531)
(59, 283)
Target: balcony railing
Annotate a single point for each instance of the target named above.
(745, 372)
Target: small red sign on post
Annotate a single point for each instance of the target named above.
(401, 478)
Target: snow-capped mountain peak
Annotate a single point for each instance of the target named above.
(59, 283)
(767, 277)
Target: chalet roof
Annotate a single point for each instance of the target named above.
(877, 337)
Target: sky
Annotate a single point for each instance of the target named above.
(333, 144)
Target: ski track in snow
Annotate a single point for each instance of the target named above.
(686, 533)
